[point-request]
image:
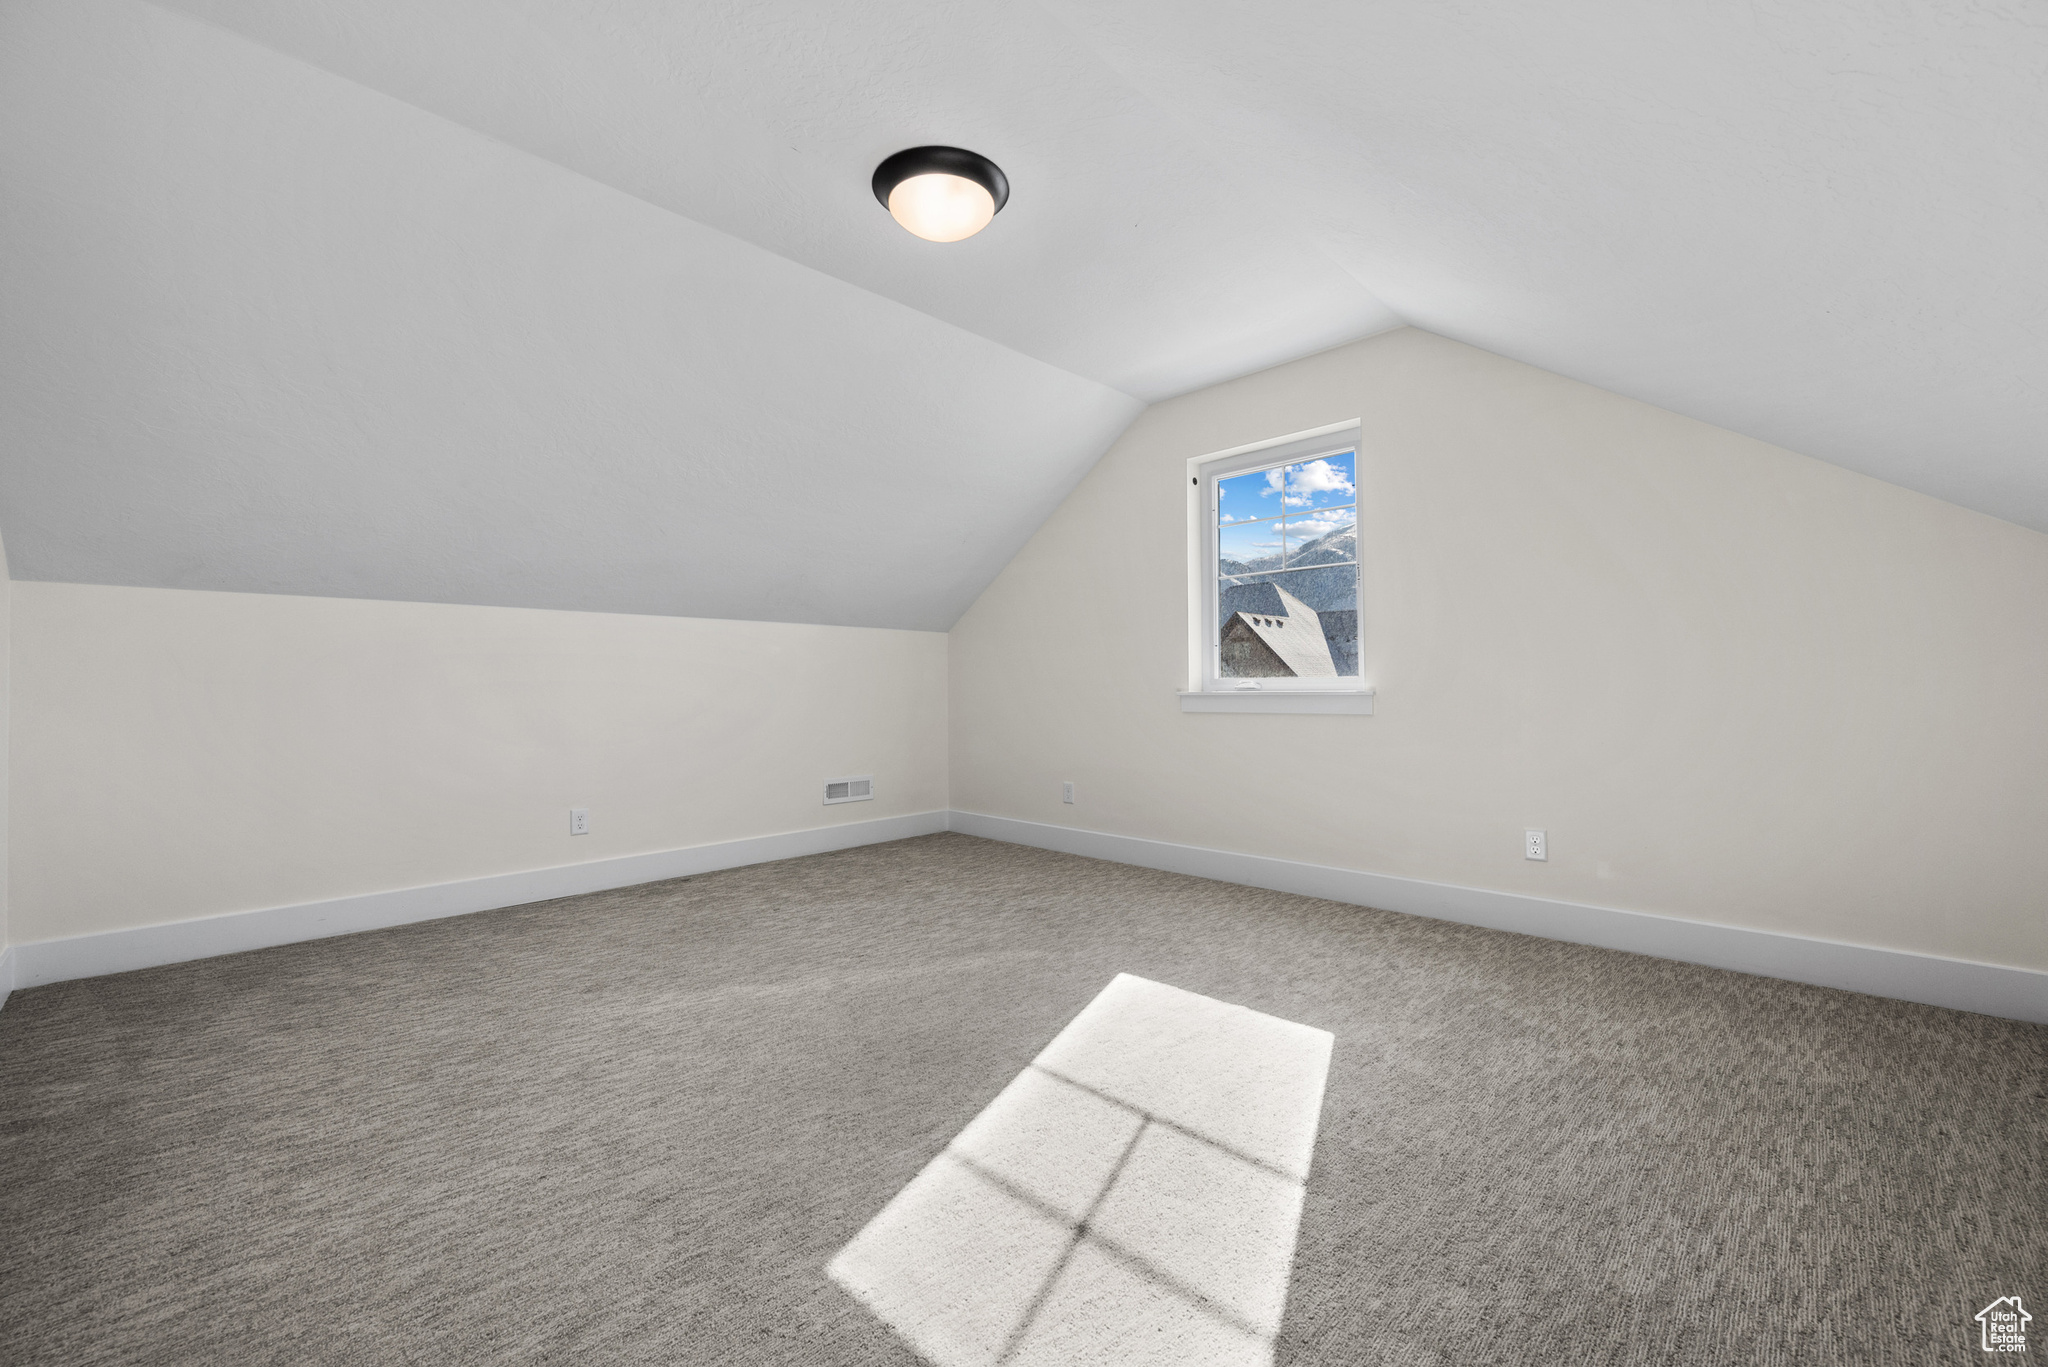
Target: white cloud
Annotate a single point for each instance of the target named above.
(1316, 477)
(1308, 480)
(1320, 524)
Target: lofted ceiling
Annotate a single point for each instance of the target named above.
(1819, 223)
(586, 303)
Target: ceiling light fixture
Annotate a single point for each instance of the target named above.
(941, 193)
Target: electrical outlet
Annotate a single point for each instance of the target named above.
(1066, 792)
(579, 821)
(1537, 846)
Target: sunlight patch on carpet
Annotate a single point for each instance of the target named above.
(1131, 1197)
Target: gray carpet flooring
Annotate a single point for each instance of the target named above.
(632, 1127)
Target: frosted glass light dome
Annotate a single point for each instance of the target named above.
(942, 208)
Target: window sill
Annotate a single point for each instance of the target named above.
(1351, 702)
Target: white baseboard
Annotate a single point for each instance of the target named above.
(118, 951)
(1990, 989)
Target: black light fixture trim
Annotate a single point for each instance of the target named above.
(951, 161)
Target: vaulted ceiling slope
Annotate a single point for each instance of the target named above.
(588, 305)
(265, 329)
(1817, 222)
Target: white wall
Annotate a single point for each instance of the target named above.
(1734, 684)
(180, 754)
(6, 706)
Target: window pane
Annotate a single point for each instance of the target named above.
(1298, 623)
(1322, 483)
(1247, 547)
(1322, 538)
(1246, 498)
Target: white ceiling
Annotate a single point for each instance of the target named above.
(1122, 256)
(566, 343)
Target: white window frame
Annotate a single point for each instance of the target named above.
(1207, 691)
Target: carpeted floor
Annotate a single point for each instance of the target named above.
(633, 1127)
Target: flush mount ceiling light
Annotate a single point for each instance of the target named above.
(941, 193)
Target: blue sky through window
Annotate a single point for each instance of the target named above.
(1248, 541)
(1326, 482)
(1243, 498)
(1316, 498)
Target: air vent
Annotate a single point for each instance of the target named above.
(849, 789)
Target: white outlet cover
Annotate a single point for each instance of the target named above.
(579, 821)
(1536, 845)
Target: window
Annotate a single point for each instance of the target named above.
(1273, 532)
